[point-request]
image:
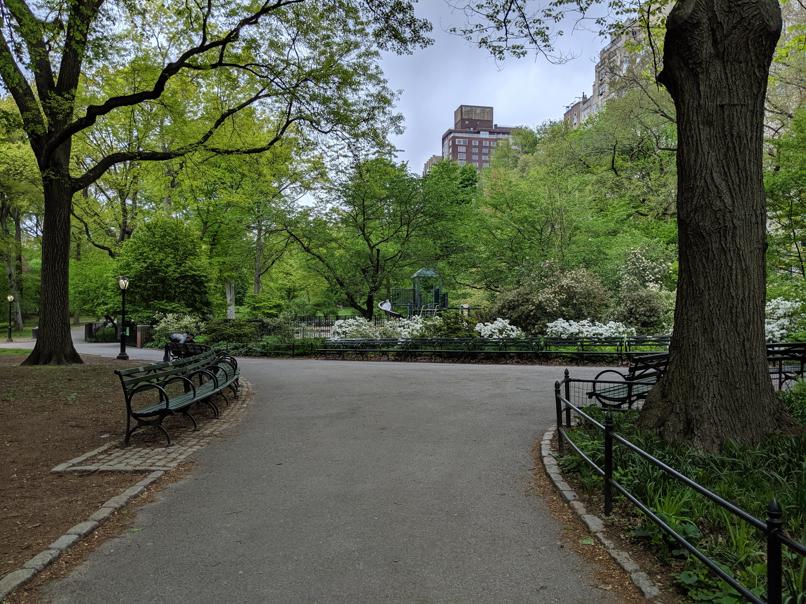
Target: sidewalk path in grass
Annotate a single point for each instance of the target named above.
(355, 482)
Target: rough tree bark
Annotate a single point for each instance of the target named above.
(717, 387)
(54, 345)
(229, 289)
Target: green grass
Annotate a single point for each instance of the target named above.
(13, 352)
(748, 476)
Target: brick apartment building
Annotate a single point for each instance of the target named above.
(473, 138)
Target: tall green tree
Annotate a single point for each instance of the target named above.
(167, 270)
(372, 230)
(310, 64)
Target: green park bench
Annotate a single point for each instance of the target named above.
(201, 377)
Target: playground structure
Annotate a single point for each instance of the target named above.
(426, 297)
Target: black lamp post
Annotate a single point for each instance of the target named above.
(10, 299)
(123, 284)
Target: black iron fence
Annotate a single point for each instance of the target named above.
(618, 349)
(771, 527)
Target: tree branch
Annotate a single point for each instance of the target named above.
(32, 120)
(112, 253)
(82, 16)
(31, 32)
(104, 164)
(93, 112)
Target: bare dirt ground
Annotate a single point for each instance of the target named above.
(49, 415)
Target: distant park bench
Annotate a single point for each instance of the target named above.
(613, 388)
(150, 398)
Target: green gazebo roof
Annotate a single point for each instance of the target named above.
(425, 272)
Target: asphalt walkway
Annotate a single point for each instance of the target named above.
(355, 482)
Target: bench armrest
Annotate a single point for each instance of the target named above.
(143, 388)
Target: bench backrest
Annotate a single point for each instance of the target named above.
(646, 366)
(159, 372)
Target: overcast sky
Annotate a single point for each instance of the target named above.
(452, 72)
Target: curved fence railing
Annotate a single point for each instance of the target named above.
(771, 527)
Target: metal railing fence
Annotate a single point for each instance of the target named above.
(771, 527)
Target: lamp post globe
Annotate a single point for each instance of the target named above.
(10, 299)
(123, 284)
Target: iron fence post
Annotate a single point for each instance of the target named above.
(608, 464)
(559, 406)
(774, 564)
(567, 397)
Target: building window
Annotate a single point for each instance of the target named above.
(484, 134)
(461, 156)
(460, 141)
(485, 144)
(475, 143)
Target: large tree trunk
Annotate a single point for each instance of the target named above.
(717, 386)
(54, 344)
(229, 289)
(369, 309)
(257, 285)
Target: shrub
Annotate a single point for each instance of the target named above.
(576, 294)
(795, 401)
(359, 328)
(451, 324)
(169, 323)
(587, 329)
(645, 268)
(783, 318)
(106, 334)
(231, 330)
(499, 329)
(645, 309)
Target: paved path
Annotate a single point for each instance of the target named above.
(355, 482)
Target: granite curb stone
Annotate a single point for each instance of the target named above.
(18, 577)
(641, 579)
(42, 559)
(83, 528)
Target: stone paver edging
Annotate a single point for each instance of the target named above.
(112, 457)
(641, 579)
(29, 570)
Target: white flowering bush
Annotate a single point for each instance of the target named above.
(588, 329)
(644, 268)
(499, 329)
(359, 328)
(168, 323)
(782, 316)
